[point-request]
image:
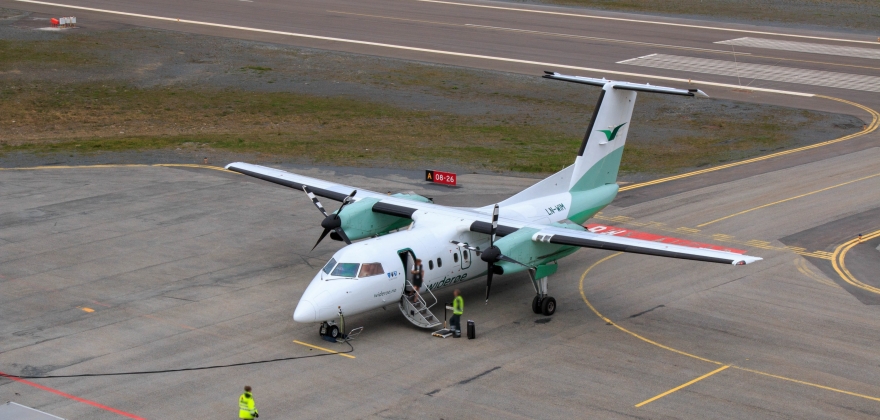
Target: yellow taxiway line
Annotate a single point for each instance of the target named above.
(684, 385)
(837, 261)
(323, 349)
(801, 265)
(787, 199)
(870, 128)
(703, 359)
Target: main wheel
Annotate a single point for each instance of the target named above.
(548, 306)
(536, 305)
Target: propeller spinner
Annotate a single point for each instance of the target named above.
(332, 222)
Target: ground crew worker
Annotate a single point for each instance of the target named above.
(457, 311)
(246, 407)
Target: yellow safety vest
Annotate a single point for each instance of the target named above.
(246, 406)
(458, 306)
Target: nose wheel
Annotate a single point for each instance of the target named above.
(329, 329)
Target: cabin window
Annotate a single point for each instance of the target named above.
(454, 257)
(430, 265)
(439, 262)
(464, 255)
(371, 269)
(345, 270)
(330, 265)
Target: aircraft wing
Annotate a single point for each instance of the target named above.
(321, 188)
(587, 239)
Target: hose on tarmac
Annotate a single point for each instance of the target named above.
(150, 372)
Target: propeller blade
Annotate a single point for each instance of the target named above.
(342, 235)
(494, 226)
(323, 234)
(315, 201)
(346, 201)
(489, 280)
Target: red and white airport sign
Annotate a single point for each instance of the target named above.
(437, 177)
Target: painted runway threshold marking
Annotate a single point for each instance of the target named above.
(682, 386)
(807, 47)
(693, 356)
(416, 49)
(681, 25)
(758, 71)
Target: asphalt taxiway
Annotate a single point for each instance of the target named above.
(109, 269)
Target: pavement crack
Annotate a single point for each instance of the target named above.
(646, 311)
(471, 379)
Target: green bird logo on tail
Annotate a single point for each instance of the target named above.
(611, 134)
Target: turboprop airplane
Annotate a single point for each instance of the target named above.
(530, 231)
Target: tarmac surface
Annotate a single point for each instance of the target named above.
(127, 268)
(148, 267)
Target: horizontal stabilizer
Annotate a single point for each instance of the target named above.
(638, 87)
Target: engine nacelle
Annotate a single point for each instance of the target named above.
(360, 221)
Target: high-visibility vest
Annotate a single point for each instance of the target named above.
(458, 305)
(246, 406)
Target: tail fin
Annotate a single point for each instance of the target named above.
(599, 156)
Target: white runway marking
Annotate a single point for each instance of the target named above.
(758, 71)
(713, 28)
(549, 66)
(775, 44)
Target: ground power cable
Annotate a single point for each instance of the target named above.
(149, 372)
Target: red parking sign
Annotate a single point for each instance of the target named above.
(437, 177)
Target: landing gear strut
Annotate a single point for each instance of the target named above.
(542, 303)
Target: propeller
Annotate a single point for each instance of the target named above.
(332, 222)
(491, 255)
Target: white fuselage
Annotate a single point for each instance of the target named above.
(444, 264)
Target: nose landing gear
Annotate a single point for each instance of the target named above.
(329, 329)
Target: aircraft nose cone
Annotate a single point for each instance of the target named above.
(305, 312)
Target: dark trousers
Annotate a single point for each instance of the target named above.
(455, 323)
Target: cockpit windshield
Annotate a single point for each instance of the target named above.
(329, 266)
(346, 270)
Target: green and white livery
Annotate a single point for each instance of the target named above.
(530, 231)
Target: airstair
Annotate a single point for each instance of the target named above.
(417, 310)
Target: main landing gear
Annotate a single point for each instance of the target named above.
(545, 305)
(542, 303)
